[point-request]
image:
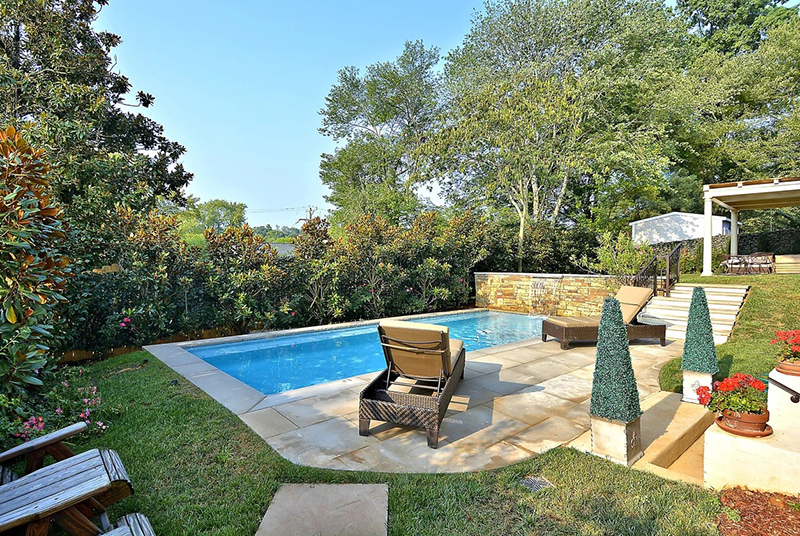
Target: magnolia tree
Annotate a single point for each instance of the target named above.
(32, 269)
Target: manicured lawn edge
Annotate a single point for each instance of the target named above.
(198, 469)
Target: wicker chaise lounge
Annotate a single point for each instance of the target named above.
(423, 366)
(632, 300)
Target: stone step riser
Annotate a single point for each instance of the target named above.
(719, 298)
(683, 314)
(668, 303)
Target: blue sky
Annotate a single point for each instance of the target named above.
(240, 83)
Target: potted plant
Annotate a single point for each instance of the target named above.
(789, 353)
(741, 402)
(614, 408)
(699, 361)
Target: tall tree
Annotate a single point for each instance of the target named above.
(733, 26)
(59, 87)
(569, 86)
(381, 116)
(216, 214)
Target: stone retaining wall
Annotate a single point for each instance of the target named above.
(543, 294)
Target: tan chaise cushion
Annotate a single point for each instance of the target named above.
(574, 321)
(418, 336)
(632, 300)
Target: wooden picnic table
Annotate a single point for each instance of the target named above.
(68, 493)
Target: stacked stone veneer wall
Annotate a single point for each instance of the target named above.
(543, 294)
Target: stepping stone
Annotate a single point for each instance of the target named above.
(327, 510)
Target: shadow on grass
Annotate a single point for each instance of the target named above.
(725, 364)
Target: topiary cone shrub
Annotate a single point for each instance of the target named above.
(614, 392)
(699, 361)
(614, 407)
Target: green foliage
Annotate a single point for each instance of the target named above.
(382, 116)
(614, 392)
(280, 233)
(61, 87)
(160, 287)
(243, 278)
(699, 352)
(33, 269)
(620, 257)
(216, 214)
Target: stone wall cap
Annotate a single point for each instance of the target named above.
(545, 276)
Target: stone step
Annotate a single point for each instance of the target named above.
(728, 317)
(683, 304)
(711, 287)
(710, 297)
(679, 335)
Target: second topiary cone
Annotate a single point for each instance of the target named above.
(699, 361)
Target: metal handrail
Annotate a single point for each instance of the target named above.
(795, 396)
(649, 275)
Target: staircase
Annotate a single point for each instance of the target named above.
(787, 264)
(724, 303)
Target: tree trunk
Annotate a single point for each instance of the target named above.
(523, 219)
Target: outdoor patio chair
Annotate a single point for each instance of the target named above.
(423, 366)
(69, 493)
(35, 451)
(632, 300)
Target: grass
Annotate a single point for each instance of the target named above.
(197, 469)
(771, 305)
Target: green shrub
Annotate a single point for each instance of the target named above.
(32, 268)
(614, 392)
(699, 352)
(619, 256)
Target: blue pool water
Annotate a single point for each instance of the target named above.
(288, 362)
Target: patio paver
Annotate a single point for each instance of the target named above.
(515, 402)
(327, 510)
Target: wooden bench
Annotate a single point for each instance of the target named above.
(132, 525)
(37, 449)
(67, 493)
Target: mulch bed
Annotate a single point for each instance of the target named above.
(762, 514)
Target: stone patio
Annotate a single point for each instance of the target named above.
(515, 401)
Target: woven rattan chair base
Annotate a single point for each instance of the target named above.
(422, 410)
(567, 334)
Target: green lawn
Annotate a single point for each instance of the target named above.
(773, 304)
(197, 469)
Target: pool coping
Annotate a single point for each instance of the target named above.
(241, 398)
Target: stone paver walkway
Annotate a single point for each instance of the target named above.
(327, 510)
(515, 401)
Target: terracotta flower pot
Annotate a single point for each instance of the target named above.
(788, 367)
(745, 424)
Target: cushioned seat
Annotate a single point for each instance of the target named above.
(423, 366)
(584, 328)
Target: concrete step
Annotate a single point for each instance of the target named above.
(683, 314)
(679, 335)
(711, 298)
(683, 304)
(712, 288)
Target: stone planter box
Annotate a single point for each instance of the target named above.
(692, 381)
(617, 441)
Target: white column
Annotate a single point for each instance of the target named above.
(707, 269)
(734, 232)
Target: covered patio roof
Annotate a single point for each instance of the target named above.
(745, 195)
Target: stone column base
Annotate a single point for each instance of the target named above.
(691, 381)
(617, 441)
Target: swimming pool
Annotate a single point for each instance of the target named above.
(285, 362)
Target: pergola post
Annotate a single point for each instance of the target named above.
(707, 233)
(734, 232)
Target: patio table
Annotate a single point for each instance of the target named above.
(68, 493)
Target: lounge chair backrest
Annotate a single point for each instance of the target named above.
(416, 350)
(632, 300)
